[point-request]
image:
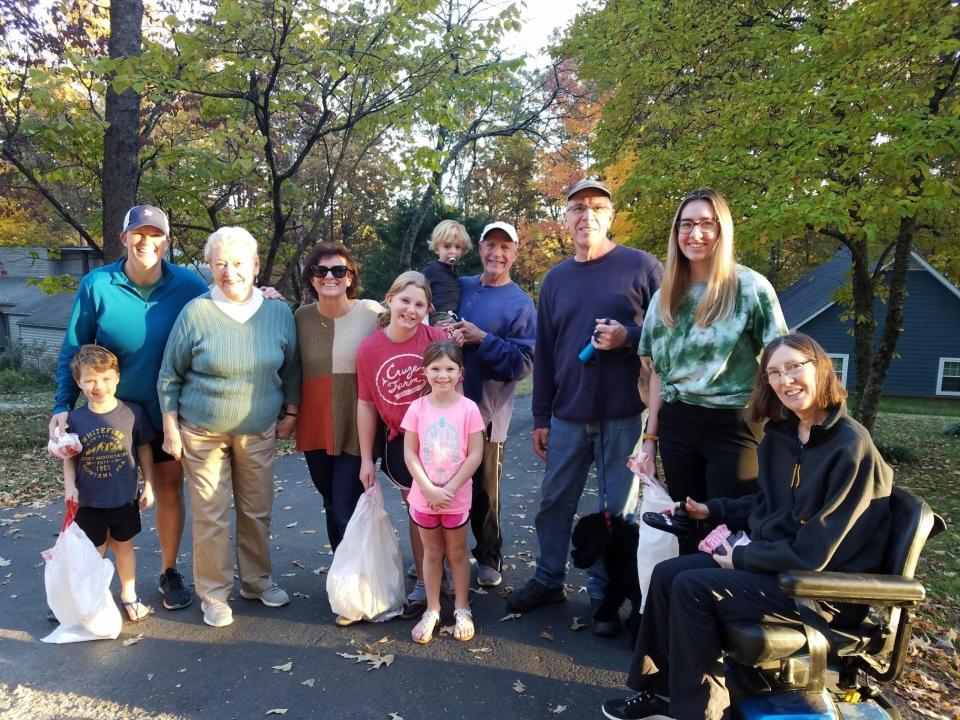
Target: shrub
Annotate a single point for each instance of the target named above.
(952, 429)
(892, 452)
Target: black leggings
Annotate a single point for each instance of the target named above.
(707, 453)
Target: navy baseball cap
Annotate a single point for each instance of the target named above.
(589, 184)
(146, 215)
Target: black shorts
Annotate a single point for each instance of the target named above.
(393, 465)
(159, 455)
(123, 522)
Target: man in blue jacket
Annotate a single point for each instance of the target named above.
(497, 329)
(586, 413)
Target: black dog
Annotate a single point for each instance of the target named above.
(614, 540)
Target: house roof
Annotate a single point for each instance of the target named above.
(813, 293)
(32, 305)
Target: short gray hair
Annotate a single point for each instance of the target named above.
(229, 235)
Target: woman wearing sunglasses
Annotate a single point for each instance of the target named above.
(329, 331)
(702, 338)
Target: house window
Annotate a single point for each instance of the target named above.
(840, 364)
(948, 378)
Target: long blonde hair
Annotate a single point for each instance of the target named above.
(403, 281)
(720, 296)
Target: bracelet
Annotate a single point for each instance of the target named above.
(649, 436)
(289, 414)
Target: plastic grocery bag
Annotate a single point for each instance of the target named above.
(654, 545)
(365, 581)
(77, 580)
(65, 446)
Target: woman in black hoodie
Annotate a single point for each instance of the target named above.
(822, 505)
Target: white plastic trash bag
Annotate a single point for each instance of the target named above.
(77, 580)
(654, 545)
(365, 581)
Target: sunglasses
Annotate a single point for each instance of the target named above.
(320, 271)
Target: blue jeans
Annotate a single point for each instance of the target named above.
(571, 449)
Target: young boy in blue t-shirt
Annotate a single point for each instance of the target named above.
(102, 478)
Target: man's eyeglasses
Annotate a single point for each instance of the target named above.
(581, 209)
(792, 371)
(320, 271)
(707, 226)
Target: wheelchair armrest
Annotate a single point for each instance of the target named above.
(862, 588)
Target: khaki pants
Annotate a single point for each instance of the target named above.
(219, 466)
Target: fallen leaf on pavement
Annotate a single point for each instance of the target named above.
(479, 650)
(308, 683)
(575, 624)
(510, 616)
(292, 525)
(320, 570)
(478, 591)
(277, 711)
(546, 636)
(286, 667)
(297, 563)
(558, 709)
(376, 661)
(447, 629)
(132, 641)
(518, 686)
(301, 595)
(394, 716)
(4, 562)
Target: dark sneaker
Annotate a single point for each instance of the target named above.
(642, 705)
(488, 576)
(533, 595)
(175, 594)
(601, 625)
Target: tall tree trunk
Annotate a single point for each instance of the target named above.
(121, 141)
(887, 343)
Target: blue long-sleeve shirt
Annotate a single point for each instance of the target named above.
(110, 310)
(504, 356)
(618, 285)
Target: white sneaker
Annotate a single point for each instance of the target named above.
(216, 613)
(273, 596)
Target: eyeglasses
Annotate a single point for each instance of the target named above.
(792, 371)
(581, 209)
(320, 271)
(707, 226)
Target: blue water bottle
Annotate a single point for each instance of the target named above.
(586, 355)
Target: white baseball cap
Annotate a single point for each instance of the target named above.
(506, 227)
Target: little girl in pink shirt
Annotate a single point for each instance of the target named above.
(443, 446)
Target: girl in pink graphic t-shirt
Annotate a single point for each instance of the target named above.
(443, 446)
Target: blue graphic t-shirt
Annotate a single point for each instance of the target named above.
(107, 465)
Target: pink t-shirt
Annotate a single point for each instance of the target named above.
(444, 435)
(390, 374)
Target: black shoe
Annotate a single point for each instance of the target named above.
(413, 610)
(175, 594)
(533, 595)
(600, 624)
(679, 524)
(642, 705)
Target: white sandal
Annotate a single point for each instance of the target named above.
(423, 631)
(463, 630)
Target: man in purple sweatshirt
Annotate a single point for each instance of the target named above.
(497, 331)
(586, 413)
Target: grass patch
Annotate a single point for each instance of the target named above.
(525, 386)
(943, 407)
(935, 477)
(27, 472)
(24, 382)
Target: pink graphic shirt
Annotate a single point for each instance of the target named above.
(390, 374)
(444, 435)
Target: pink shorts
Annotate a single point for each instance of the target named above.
(431, 521)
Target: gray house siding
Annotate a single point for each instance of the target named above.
(931, 330)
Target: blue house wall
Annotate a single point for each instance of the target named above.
(931, 330)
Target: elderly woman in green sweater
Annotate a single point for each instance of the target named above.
(229, 370)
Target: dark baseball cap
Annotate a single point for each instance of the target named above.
(589, 184)
(146, 215)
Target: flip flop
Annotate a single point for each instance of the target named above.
(423, 631)
(136, 610)
(463, 630)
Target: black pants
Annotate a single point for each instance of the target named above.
(337, 477)
(678, 649)
(485, 507)
(707, 453)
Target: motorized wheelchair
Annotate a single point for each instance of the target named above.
(824, 672)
